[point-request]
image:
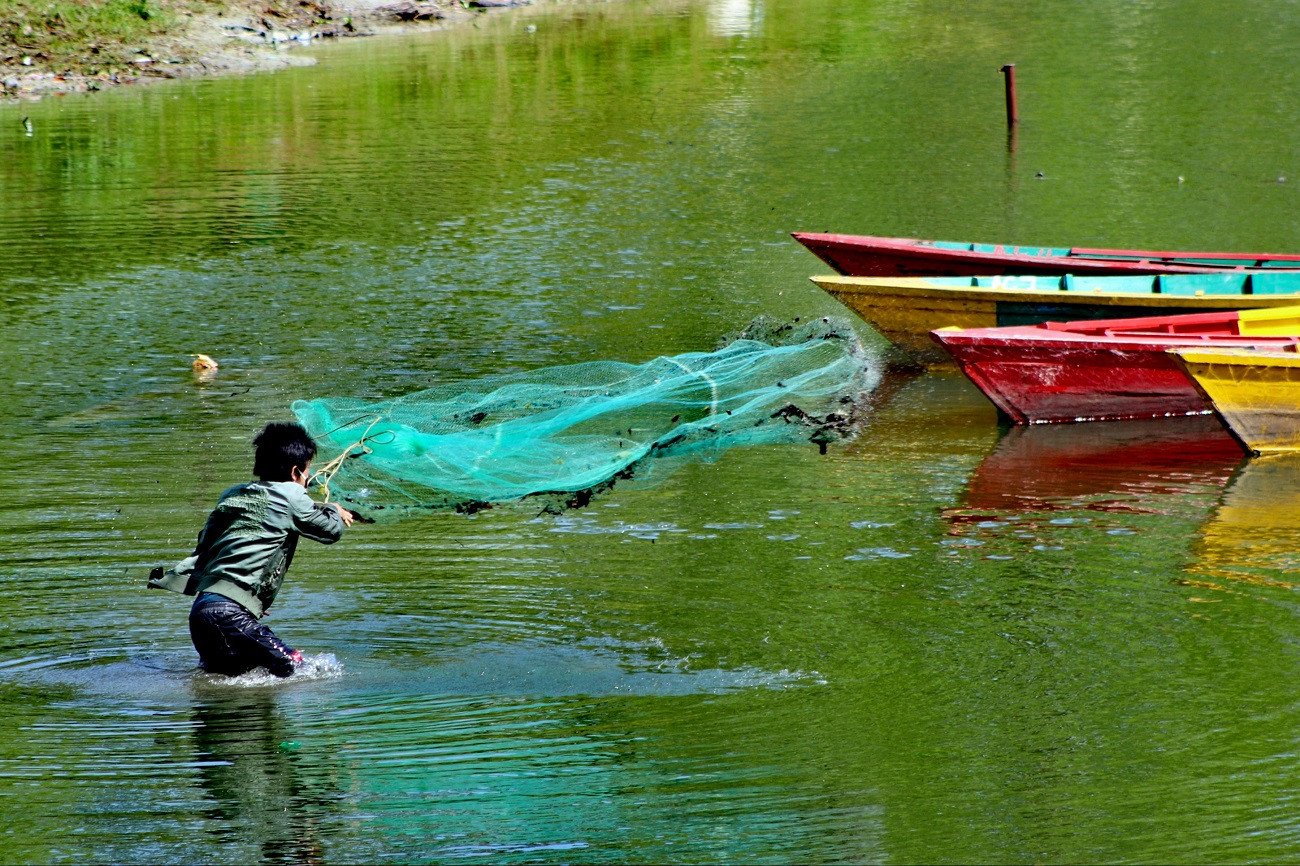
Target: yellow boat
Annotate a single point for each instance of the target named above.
(906, 309)
(1255, 393)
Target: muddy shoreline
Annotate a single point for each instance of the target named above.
(234, 39)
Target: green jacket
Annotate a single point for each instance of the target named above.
(248, 542)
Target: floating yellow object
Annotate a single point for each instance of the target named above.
(204, 364)
(1255, 393)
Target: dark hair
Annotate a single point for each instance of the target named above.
(280, 448)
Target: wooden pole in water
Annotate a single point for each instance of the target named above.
(1009, 72)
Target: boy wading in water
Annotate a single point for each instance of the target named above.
(243, 552)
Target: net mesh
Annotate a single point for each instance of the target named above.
(566, 433)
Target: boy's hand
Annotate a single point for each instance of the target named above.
(343, 513)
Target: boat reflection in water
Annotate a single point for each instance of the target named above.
(1254, 533)
(1142, 466)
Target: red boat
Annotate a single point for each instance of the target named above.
(1106, 369)
(866, 256)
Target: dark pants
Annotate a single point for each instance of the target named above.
(231, 641)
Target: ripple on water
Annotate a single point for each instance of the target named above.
(163, 678)
(528, 668)
(866, 554)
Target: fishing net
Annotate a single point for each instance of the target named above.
(565, 433)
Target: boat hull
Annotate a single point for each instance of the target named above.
(1255, 394)
(904, 310)
(866, 256)
(1034, 382)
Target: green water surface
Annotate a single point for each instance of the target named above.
(943, 642)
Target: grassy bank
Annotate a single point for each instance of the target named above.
(78, 45)
(81, 34)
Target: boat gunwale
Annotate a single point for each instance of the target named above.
(837, 285)
(1172, 261)
(1136, 342)
(1230, 355)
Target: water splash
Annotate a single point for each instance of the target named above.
(312, 667)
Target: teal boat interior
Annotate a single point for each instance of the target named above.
(1001, 249)
(1191, 285)
(1110, 255)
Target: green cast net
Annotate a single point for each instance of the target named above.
(566, 433)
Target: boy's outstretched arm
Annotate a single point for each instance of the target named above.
(347, 516)
(323, 522)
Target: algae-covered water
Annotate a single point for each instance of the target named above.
(943, 642)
